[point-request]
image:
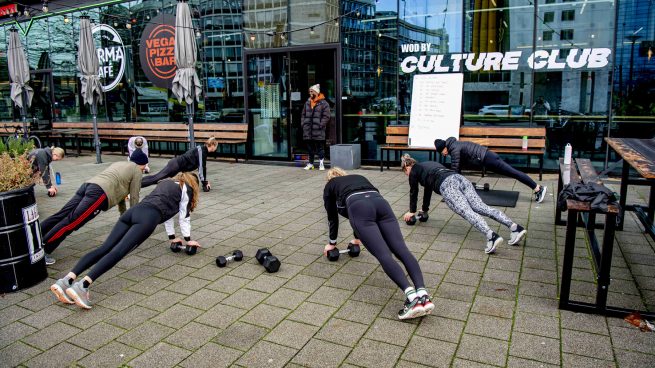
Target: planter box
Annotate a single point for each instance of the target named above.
(346, 156)
(22, 262)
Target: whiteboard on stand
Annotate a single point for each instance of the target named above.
(436, 108)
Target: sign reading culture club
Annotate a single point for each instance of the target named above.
(157, 50)
(111, 55)
(589, 58)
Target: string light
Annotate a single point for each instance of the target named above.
(198, 33)
(26, 13)
(252, 37)
(311, 31)
(66, 19)
(128, 26)
(44, 8)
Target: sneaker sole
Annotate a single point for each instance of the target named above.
(428, 308)
(543, 195)
(493, 248)
(518, 239)
(60, 294)
(414, 313)
(78, 301)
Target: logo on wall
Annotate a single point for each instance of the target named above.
(157, 51)
(111, 55)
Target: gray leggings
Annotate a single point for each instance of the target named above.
(461, 197)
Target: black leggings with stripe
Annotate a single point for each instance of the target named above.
(171, 169)
(132, 229)
(86, 204)
(375, 224)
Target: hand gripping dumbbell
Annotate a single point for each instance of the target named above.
(266, 259)
(484, 187)
(177, 246)
(421, 216)
(221, 261)
(353, 251)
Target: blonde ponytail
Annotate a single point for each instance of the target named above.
(406, 161)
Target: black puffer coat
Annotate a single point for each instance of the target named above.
(314, 121)
(464, 152)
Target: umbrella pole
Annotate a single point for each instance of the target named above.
(96, 138)
(23, 113)
(189, 111)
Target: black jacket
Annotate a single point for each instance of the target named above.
(430, 175)
(315, 120)
(166, 198)
(335, 194)
(599, 195)
(41, 163)
(195, 158)
(464, 152)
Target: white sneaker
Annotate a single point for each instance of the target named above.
(309, 167)
(493, 243)
(517, 235)
(321, 166)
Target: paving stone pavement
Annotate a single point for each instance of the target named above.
(159, 309)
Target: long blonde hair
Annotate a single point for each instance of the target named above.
(191, 180)
(334, 172)
(407, 161)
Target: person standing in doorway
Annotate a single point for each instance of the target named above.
(314, 119)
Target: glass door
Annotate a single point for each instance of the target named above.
(267, 79)
(43, 100)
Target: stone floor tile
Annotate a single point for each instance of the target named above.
(429, 352)
(204, 299)
(374, 354)
(319, 354)
(47, 316)
(145, 336)
(266, 355)
(330, 296)
(497, 290)
(265, 315)
(488, 326)
(514, 362)
(96, 336)
(631, 338)
(228, 284)
(161, 300)
(211, 356)
(584, 322)
(346, 281)
(501, 276)
(543, 306)
(266, 283)
(493, 307)
(482, 349)
(287, 298)
(160, 356)
(13, 313)
(17, 353)
(311, 313)
(463, 277)
(536, 324)
(392, 332)
(631, 359)
(50, 336)
(586, 344)
(449, 308)
(192, 336)
(291, 334)
(305, 283)
(533, 347)
(572, 360)
(241, 336)
(358, 311)
(66, 353)
(111, 355)
(221, 315)
(372, 295)
(440, 328)
(456, 292)
(130, 317)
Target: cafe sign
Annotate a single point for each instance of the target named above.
(589, 58)
(157, 50)
(111, 55)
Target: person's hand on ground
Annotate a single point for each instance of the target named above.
(408, 216)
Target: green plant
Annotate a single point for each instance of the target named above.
(15, 172)
(16, 147)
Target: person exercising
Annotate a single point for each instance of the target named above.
(463, 152)
(375, 224)
(100, 193)
(171, 196)
(195, 158)
(460, 196)
(41, 159)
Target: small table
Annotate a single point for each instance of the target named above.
(640, 154)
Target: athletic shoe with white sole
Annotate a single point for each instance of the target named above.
(309, 167)
(49, 260)
(493, 243)
(321, 167)
(411, 309)
(540, 194)
(80, 295)
(59, 289)
(517, 235)
(427, 304)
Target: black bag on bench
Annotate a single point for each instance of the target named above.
(599, 195)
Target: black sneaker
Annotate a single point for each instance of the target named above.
(493, 243)
(411, 309)
(540, 194)
(517, 235)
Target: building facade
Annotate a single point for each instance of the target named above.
(583, 69)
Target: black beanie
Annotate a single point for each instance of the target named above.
(138, 157)
(439, 144)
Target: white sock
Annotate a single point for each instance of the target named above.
(421, 292)
(410, 293)
(490, 234)
(513, 227)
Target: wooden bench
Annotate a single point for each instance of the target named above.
(508, 140)
(232, 134)
(580, 214)
(502, 140)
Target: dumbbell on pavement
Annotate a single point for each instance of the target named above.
(266, 259)
(177, 247)
(423, 217)
(221, 261)
(353, 251)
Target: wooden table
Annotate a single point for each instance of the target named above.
(646, 168)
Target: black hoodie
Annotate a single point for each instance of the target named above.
(42, 159)
(430, 175)
(195, 158)
(335, 194)
(464, 152)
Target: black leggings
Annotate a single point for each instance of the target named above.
(316, 147)
(496, 164)
(86, 204)
(171, 169)
(376, 225)
(132, 229)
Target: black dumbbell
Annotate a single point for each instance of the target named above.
(221, 261)
(205, 187)
(177, 246)
(266, 259)
(423, 217)
(353, 251)
(484, 187)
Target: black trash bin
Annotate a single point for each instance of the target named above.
(22, 262)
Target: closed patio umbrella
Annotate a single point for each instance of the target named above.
(19, 73)
(88, 64)
(186, 84)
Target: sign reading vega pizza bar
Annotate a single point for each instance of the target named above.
(157, 50)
